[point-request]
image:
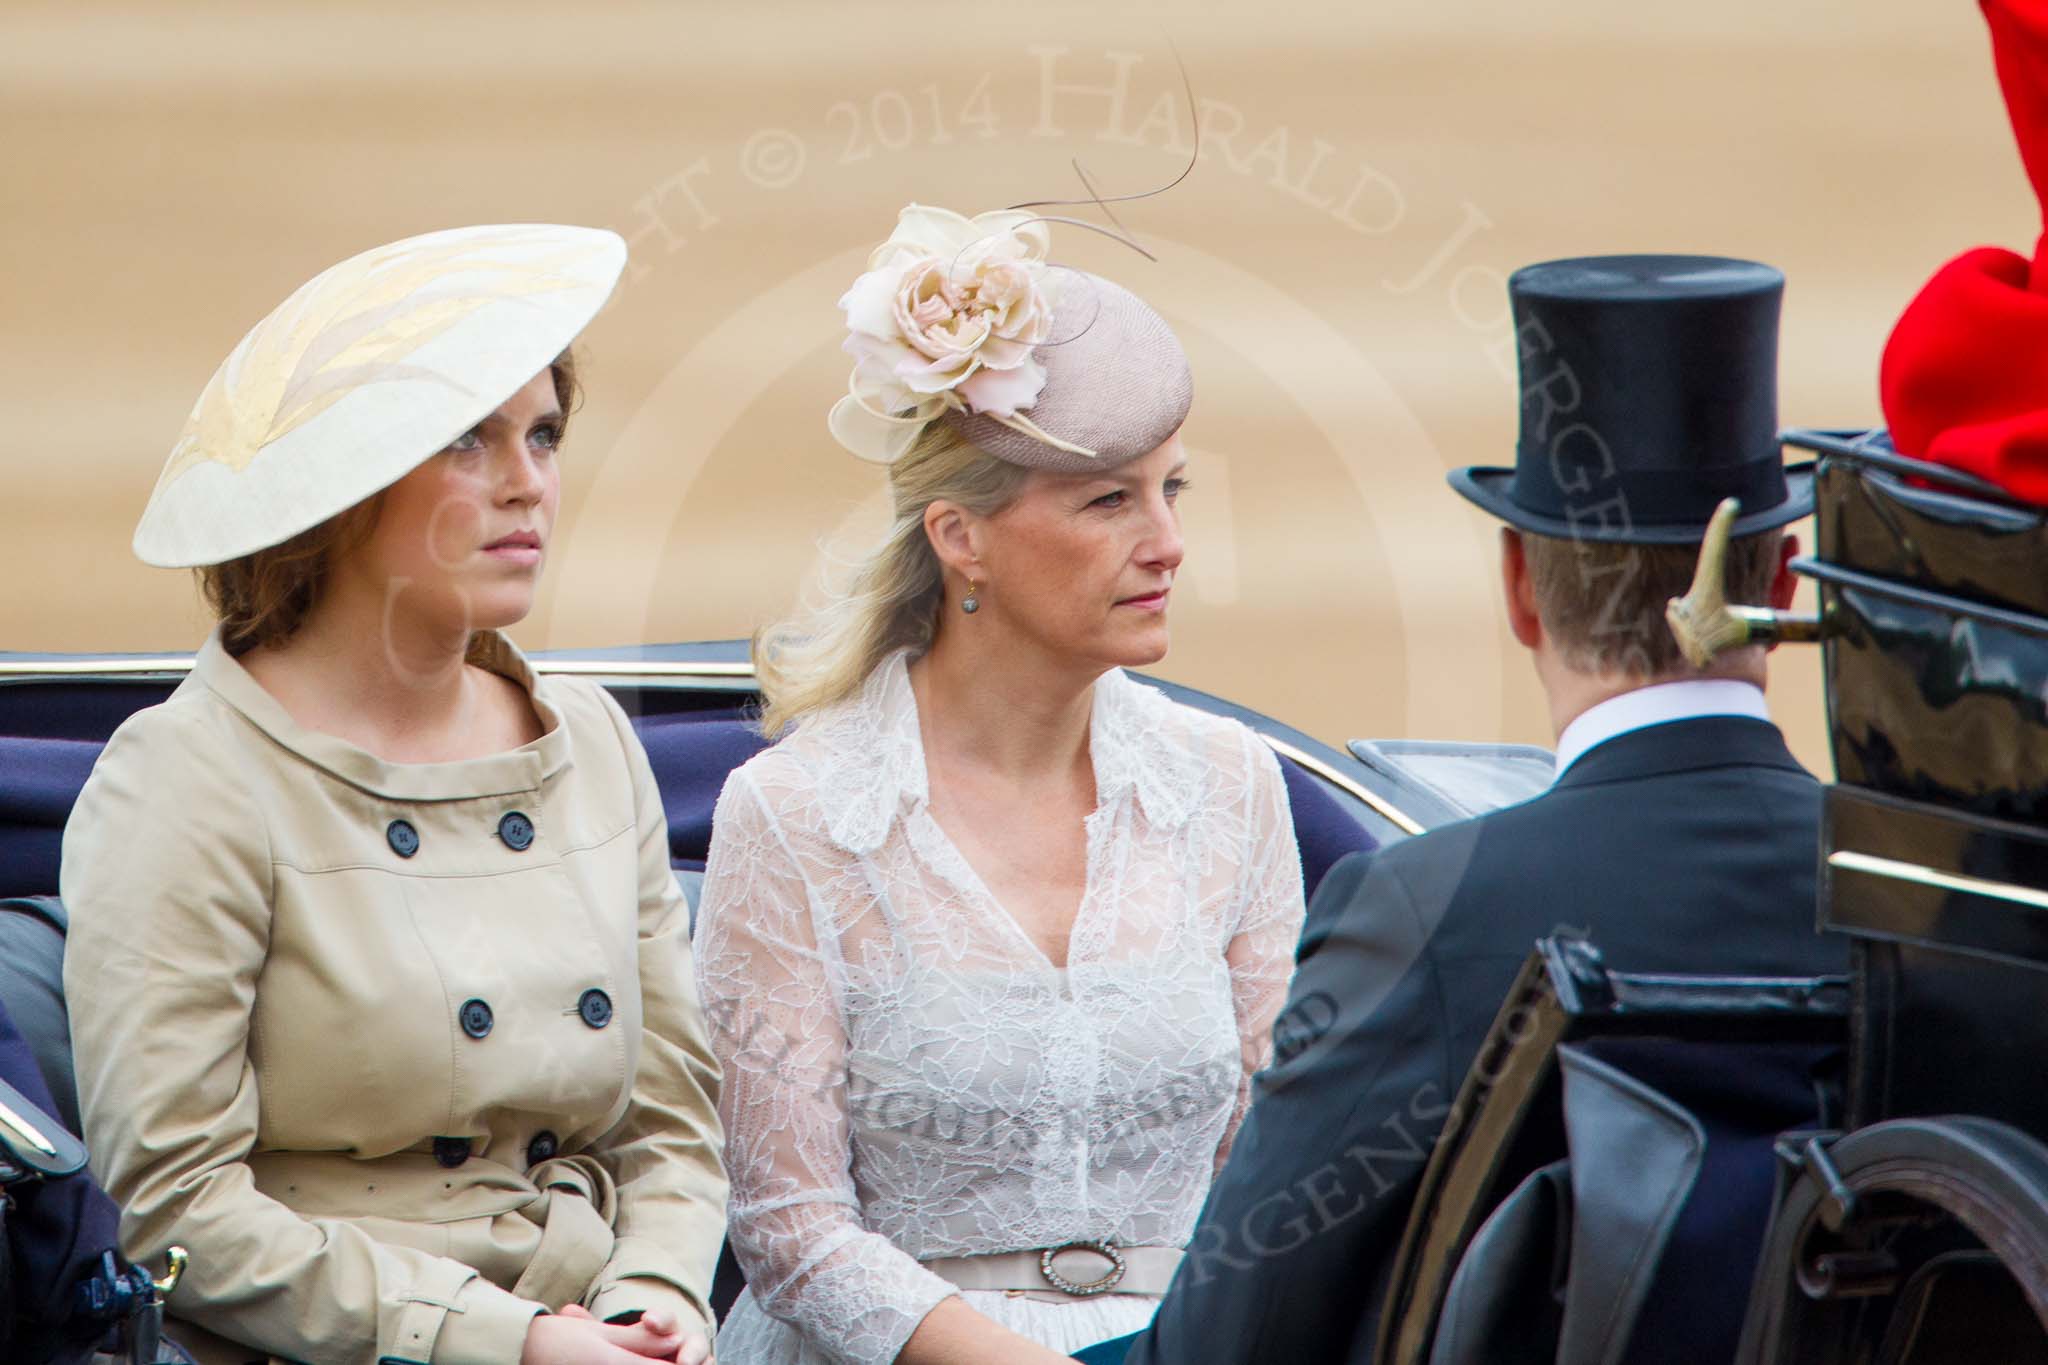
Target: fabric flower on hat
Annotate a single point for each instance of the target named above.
(947, 316)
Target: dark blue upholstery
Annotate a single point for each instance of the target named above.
(39, 781)
(1322, 829)
(691, 759)
(74, 708)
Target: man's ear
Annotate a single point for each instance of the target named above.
(1518, 592)
(951, 532)
(1785, 583)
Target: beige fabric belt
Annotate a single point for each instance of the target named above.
(407, 1185)
(416, 1188)
(1077, 1270)
(571, 1199)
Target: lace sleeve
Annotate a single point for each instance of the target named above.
(1268, 924)
(795, 1224)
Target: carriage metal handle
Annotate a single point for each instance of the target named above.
(1706, 624)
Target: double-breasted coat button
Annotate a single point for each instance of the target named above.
(542, 1148)
(476, 1018)
(516, 830)
(403, 838)
(595, 1007)
(451, 1152)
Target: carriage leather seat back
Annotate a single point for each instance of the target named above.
(1621, 1252)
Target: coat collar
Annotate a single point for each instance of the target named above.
(874, 763)
(1682, 746)
(516, 770)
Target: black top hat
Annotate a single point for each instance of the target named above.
(1649, 393)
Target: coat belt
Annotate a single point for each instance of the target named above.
(413, 1187)
(572, 1199)
(576, 1231)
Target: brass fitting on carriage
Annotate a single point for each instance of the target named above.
(1706, 624)
(176, 1259)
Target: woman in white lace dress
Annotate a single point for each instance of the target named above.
(991, 942)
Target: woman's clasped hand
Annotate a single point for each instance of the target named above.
(574, 1337)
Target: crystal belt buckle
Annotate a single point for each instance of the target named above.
(1060, 1282)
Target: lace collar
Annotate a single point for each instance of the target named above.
(872, 755)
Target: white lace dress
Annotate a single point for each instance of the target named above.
(907, 1076)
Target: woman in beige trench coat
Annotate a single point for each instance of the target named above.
(379, 978)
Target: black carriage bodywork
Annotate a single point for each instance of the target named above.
(1921, 1232)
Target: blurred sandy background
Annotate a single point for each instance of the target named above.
(1336, 264)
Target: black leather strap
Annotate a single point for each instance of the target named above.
(32, 1144)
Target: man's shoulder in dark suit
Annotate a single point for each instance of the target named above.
(1685, 847)
(1690, 846)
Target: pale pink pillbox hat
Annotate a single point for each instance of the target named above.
(1040, 365)
(1120, 387)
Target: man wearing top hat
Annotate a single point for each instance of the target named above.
(1679, 833)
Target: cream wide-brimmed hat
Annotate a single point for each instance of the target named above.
(370, 368)
(964, 320)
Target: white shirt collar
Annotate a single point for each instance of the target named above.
(1657, 705)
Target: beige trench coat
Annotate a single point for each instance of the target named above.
(401, 1053)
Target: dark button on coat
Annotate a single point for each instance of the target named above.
(232, 885)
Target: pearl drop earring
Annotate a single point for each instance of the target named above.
(972, 602)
